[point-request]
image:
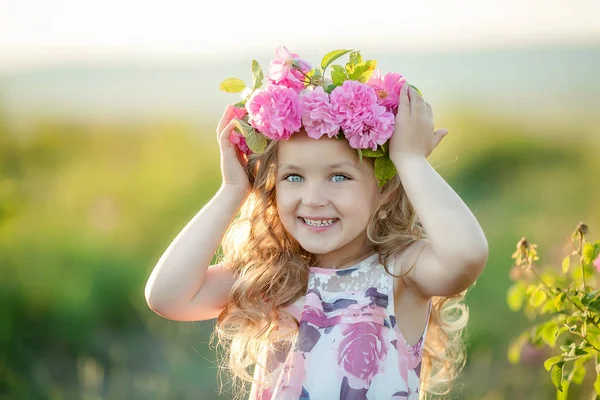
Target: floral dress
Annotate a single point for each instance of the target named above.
(348, 346)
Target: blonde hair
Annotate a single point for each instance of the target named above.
(271, 270)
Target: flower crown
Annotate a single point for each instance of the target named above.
(356, 102)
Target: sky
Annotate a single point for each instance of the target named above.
(43, 32)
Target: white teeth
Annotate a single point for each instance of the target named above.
(325, 222)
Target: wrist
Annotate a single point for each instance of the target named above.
(407, 161)
(234, 191)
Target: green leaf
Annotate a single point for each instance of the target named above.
(330, 88)
(515, 296)
(371, 153)
(232, 85)
(338, 75)
(559, 300)
(566, 263)
(590, 297)
(384, 170)
(360, 154)
(362, 72)
(597, 384)
(548, 332)
(595, 305)
(578, 373)
(551, 361)
(255, 141)
(556, 374)
(588, 253)
(355, 58)
(257, 75)
(537, 298)
(331, 57)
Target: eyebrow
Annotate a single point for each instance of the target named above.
(331, 166)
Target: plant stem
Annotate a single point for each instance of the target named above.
(581, 262)
(554, 294)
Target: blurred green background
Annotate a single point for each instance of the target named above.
(101, 166)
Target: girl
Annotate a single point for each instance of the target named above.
(338, 279)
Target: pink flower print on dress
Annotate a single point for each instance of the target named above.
(408, 360)
(361, 353)
(294, 374)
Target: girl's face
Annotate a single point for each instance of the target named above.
(325, 195)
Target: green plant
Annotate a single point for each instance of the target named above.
(564, 304)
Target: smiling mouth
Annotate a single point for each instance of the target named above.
(319, 222)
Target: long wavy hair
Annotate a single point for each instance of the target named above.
(271, 269)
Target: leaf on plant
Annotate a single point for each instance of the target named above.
(537, 298)
(384, 170)
(559, 300)
(556, 374)
(566, 263)
(255, 141)
(370, 153)
(551, 361)
(515, 296)
(331, 57)
(257, 75)
(232, 85)
(338, 75)
(588, 253)
(597, 384)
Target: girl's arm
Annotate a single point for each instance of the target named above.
(456, 250)
(182, 286)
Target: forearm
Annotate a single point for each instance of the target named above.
(180, 271)
(453, 231)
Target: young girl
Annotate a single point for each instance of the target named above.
(344, 273)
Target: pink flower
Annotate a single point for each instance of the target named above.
(239, 140)
(239, 112)
(597, 263)
(365, 123)
(275, 111)
(317, 114)
(283, 73)
(361, 353)
(387, 89)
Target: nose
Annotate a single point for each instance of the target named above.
(314, 195)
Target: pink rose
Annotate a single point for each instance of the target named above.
(597, 263)
(361, 352)
(275, 111)
(365, 123)
(283, 73)
(317, 114)
(387, 89)
(240, 141)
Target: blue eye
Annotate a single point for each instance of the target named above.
(287, 178)
(343, 176)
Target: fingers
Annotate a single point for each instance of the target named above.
(225, 118)
(404, 106)
(224, 135)
(438, 136)
(416, 101)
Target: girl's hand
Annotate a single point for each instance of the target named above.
(233, 162)
(413, 129)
